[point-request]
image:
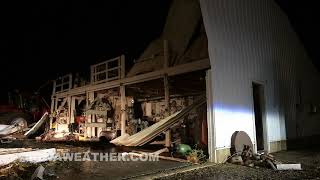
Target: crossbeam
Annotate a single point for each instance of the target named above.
(170, 71)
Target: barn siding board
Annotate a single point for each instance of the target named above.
(252, 40)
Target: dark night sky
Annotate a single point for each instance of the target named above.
(40, 39)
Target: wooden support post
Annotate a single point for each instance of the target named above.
(166, 89)
(123, 109)
(52, 110)
(73, 108)
(69, 109)
(123, 67)
(167, 105)
(90, 118)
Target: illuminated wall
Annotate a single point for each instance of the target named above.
(251, 40)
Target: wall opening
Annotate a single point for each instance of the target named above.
(258, 104)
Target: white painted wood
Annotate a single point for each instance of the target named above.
(36, 156)
(123, 109)
(282, 167)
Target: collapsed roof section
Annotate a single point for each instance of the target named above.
(186, 38)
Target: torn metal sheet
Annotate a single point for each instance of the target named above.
(17, 125)
(37, 125)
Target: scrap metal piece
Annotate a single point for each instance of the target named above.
(16, 125)
(37, 125)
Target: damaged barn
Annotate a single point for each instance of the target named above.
(127, 105)
(167, 79)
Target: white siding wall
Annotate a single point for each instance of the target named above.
(251, 40)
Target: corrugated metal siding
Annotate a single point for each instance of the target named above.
(251, 40)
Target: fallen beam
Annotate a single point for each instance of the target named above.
(148, 134)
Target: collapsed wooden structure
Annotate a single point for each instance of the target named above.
(168, 76)
(66, 97)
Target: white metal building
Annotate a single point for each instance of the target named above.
(252, 47)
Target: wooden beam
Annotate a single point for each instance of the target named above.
(62, 104)
(69, 109)
(72, 110)
(170, 71)
(123, 67)
(123, 109)
(90, 118)
(167, 105)
(51, 111)
(56, 104)
(166, 89)
(96, 124)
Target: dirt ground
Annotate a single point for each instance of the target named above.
(310, 160)
(93, 170)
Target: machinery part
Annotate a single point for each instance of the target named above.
(239, 141)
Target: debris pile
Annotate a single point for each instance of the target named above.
(242, 154)
(148, 134)
(9, 132)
